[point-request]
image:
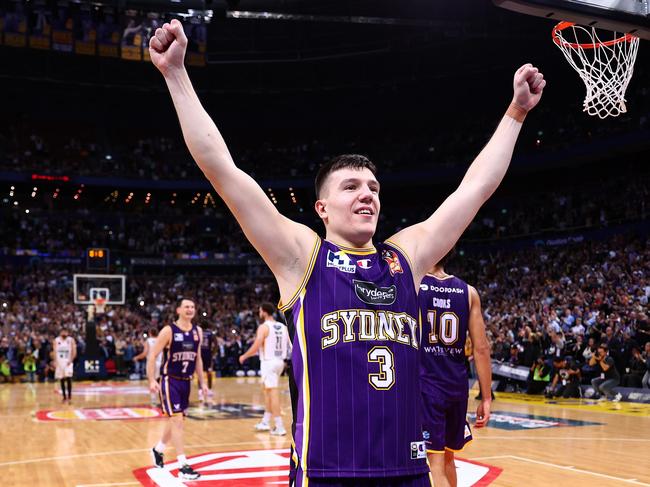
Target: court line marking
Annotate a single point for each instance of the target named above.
(115, 452)
(107, 485)
(564, 467)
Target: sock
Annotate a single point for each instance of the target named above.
(182, 460)
(278, 422)
(160, 447)
(267, 418)
(69, 380)
(63, 389)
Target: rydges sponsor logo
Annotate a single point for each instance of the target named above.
(370, 293)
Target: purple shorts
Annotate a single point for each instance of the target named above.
(421, 480)
(174, 395)
(445, 424)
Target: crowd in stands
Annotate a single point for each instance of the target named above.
(548, 309)
(551, 308)
(24, 149)
(35, 305)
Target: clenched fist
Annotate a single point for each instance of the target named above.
(167, 47)
(528, 86)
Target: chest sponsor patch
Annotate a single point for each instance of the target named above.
(370, 293)
(341, 261)
(178, 337)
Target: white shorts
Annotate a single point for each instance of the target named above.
(63, 370)
(270, 371)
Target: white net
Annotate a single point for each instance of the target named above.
(605, 67)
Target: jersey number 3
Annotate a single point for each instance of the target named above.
(385, 379)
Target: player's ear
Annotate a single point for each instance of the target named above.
(321, 209)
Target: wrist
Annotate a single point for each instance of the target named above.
(516, 112)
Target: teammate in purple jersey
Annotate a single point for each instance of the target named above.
(180, 343)
(208, 363)
(307, 268)
(449, 309)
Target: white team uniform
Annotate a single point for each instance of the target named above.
(151, 341)
(63, 357)
(273, 353)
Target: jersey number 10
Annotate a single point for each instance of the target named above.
(445, 329)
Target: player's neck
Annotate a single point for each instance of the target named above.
(184, 324)
(439, 272)
(341, 241)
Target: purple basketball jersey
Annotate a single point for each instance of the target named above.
(444, 308)
(179, 358)
(354, 328)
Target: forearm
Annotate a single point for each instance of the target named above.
(201, 135)
(150, 369)
(199, 370)
(490, 166)
(484, 371)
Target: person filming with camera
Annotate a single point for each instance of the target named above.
(609, 376)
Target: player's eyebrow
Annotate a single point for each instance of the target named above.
(372, 183)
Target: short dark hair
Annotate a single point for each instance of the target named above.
(352, 161)
(268, 308)
(180, 300)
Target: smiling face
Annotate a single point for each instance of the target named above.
(186, 310)
(349, 206)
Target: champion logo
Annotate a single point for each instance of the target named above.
(364, 263)
(341, 261)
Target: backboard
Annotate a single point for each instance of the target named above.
(111, 287)
(626, 16)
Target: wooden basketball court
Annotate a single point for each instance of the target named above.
(106, 434)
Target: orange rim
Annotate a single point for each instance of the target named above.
(561, 42)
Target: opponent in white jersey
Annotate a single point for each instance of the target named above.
(65, 351)
(272, 341)
(147, 352)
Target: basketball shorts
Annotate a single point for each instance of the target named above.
(445, 423)
(63, 369)
(206, 358)
(174, 395)
(421, 480)
(270, 371)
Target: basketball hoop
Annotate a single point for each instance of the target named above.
(100, 304)
(605, 67)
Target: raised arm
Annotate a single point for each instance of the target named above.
(283, 244)
(427, 242)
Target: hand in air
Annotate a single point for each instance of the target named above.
(167, 47)
(528, 86)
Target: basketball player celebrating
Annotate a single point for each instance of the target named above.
(450, 309)
(272, 341)
(65, 351)
(180, 344)
(351, 306)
